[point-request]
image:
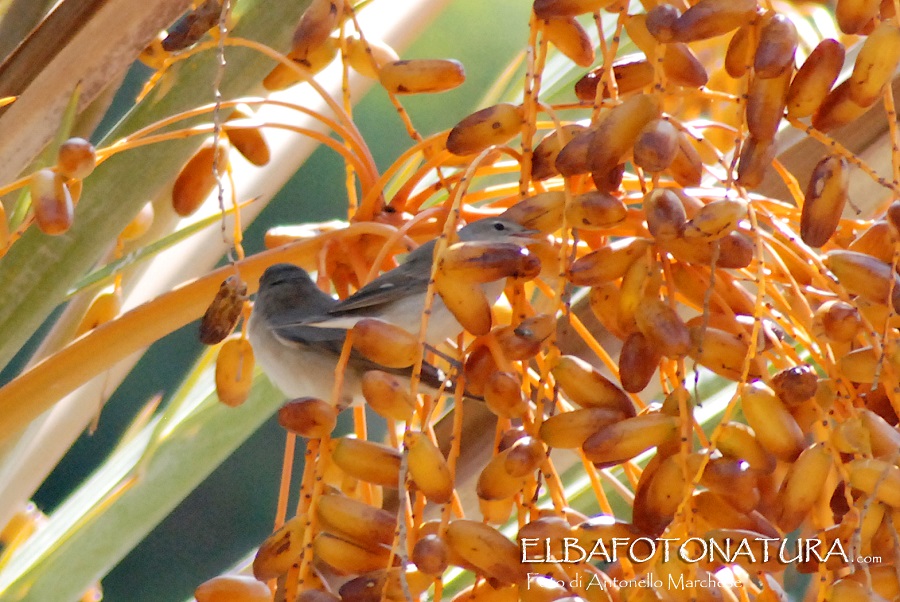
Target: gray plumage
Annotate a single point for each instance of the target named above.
(299, 359)
(398, 296)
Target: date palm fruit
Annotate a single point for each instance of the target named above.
(656, 145)
(280, 550)
(196, 180)
(543, 211)
(875, 64)
(765, 104)
(428, 468)
(687, 165)
(853, 16)
(876, 240)
(713, 512)
(245, 135)
(711, 18)
(605, 528)
(865, 276)
(316, 24)
(860, 365)
(234, 371)
(421, 76)
(795, 385)
(507, 471)
(524, 456)
(851, 591)
(826, 195)
(313, 61)
(574, 158)
(642, 280)
(595, 210)
(496, 512)
(503, 395)
(138, 226)
(430, 555)
(76, 158)
(233, 588)
(477, 261)
(553, 529)
(877, 478)
(583, 384)
(546, 9)
(52, 202)
(802, 486)
(571, 39)
(663, 327)
(308, 417)
(617, 133)
(369, 56)
(543, 158)
(355, 521)
(388, 584)
(638, 361)
(814, 79)
(347, 558)
(632, 74)
(524, 340)
(883, 580)
(776, 48)
(840, 320)
(682, 67)
(773, 424)
(388, 395)
(466, 301)
(666, 487)
(716, 219)
(837, 109)
(737, 53)
(756, 158)
(607, 263)
(490, 552)
(722, 352)
(729, 478)
(626, 439)
(368, 461)
(569, 430)
(660, 21)
(482, 129)
(884, 439)
(224, 311)
(479, 367)
(385, 343)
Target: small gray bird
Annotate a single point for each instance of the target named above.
(398, 296)
(300, 359)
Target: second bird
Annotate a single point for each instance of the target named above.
(398, 296)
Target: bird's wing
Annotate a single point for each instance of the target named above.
(412, 275)
(328, 340)
(389, 287)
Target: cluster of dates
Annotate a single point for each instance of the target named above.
(685, 269)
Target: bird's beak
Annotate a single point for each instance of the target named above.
(527, 237)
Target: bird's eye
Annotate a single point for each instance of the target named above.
(499, 227)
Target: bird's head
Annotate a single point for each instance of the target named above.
(498, 229)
